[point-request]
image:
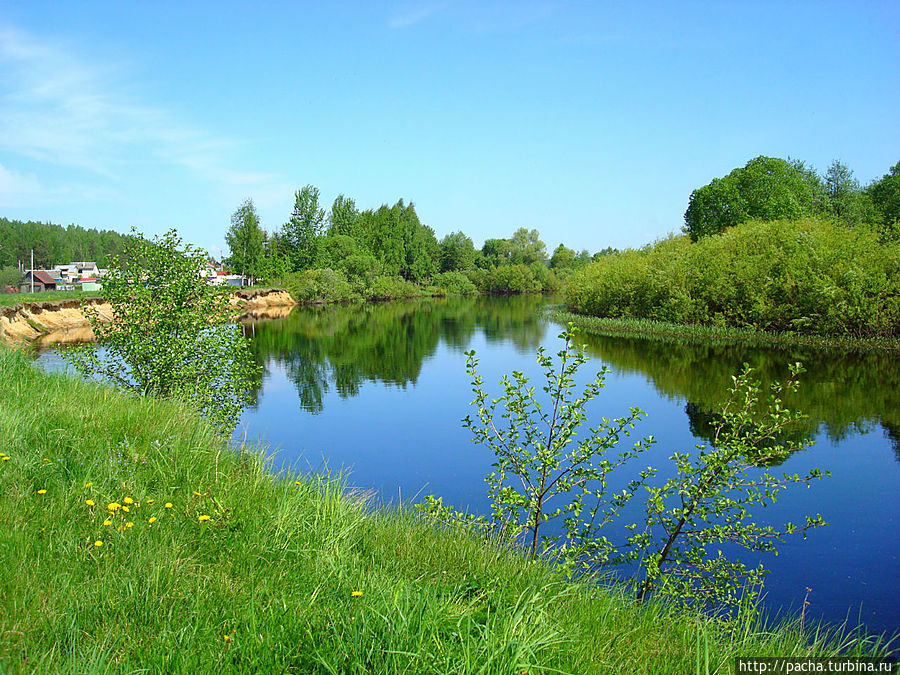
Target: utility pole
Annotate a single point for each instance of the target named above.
(32, 270)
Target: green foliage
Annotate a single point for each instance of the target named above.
(505, 279)
(344, 217)
(301, 233)
(766, 188)
(885, 195)
(170, 334)
(457, 253)
(708, 503)
(526, 247)
(542, 471)
(808, 276)
(562, 258)
(453, 283)
(322, 285)
(391, 288)
(9, 276)
(245, 239)
(847, 202)
(56, 245)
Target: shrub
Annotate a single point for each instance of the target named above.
(391, 288)
(453, 283)
(325, 285)
(807, 276)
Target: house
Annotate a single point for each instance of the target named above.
(43, 281)
(91, 284)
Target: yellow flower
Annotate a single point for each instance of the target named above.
(126, 509)
(87, 485)
(98, 543)
(114, 506)
(89, 502)
(129, 524)
(152, 520)
(2, 454)
(5, 458)
(128, 500)
(168, 505)
(121, 527)
(197, 494)
(227, 638)
(46, 460)
(297, 482)
(202, 518)
(356, 594)
(42, 492)
(107, 522)
(149, 501)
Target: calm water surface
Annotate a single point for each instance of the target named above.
(379, 390)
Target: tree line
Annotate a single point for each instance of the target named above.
(770, 188)
(390, 242)
(52, 245)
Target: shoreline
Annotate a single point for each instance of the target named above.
(665, 331)
(47, 322)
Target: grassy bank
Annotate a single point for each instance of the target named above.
(227, 567)
(664, 330)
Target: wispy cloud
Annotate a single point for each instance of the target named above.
(59, 109)
(411, 15)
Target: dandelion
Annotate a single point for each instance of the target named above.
(107, 522)
(87, 485)
(128, 500)
(2, 454)
(168, 505)
(203, 518)
(46, 460)
(297, 482)
(114, 506)
(89, 502)
(197, 494)
(149, 501)
(227, 638)
(42, 492)
(98, 543)
(5, 458)
(129, 524)
(356, 594)
(151, 520)
(121, 527)
(126, 509)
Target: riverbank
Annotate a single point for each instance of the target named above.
(61, 321)
(228, 566)
(662, 330)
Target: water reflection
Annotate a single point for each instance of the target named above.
(342, 347)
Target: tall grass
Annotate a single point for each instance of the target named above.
(287, 574)
(807, 277)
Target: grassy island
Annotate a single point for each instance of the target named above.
(134, 539)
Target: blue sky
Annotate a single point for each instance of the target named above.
(591, 122)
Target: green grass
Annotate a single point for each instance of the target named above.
(275, 566)
(648, 328)
(10, 299)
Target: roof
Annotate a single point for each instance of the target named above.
(43, 277)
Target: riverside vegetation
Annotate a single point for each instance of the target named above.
(250, 571)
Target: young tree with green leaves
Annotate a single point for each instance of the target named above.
(300, 235)
(708, 503)
(457, 253)
(171, 335)
(246, 239)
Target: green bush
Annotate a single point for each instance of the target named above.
(505, 279)
(453, 283)
(391, 288)
(325, 285)
(806, 276)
